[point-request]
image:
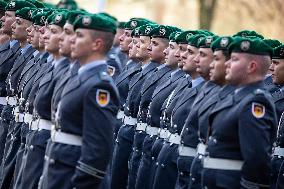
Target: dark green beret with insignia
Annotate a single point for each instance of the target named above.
(146, 30)
(58, 18)
(247, 33)
(95, 22)
(135, 32)
(272, 42)
(182, 38)
(133, 23)
(161, 31)
(18, 4)
(25, 13)
(3, 4)
(278, 52)
(222, 43)
(250, 46)
(121, 25)
(206, 41)
(173, 36)
(193, 40)
(73, 15)
(108, 16)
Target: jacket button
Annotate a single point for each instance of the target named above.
(181, 173)
(51, 161)
(162, 165)
(31, 147)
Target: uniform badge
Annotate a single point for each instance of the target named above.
(86, 21)
(189, 35)
(162, 31)
(110, 70)
(30, 13)
(208, 40)
(245, 45)
(136, 31)
(58, 18)
(12, 4)
(224, 42)
(258, 110)
(42, 20)
(133, 24)
(102, 97)
(148, 29)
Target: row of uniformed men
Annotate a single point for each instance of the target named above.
(58, 102)
(198, 110)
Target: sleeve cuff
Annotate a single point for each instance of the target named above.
(252, 185)
(90, 170)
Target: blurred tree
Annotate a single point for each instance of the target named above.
(206, 13)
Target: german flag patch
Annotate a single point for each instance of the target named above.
(110, 70)
(102, 97)
(258, 110)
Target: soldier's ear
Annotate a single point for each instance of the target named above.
(97, 45)
(252, 66)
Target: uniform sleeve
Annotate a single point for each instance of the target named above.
(99, 117)
(257, 130)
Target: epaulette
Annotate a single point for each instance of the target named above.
(259, 92)
(105, 77)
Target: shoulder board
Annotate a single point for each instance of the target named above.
(259, 92)
(105, 77)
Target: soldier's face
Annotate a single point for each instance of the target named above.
(116, 40)
(133, 48)
(19, 29)
(203, 61)
(237, 69)
(35, 36)
(142, 46)
(277, 70)
(188, 56)
(124, 40)
(218, 68)
(29, 30)
(81, 44)
(64, 40)
(181, 49)
(156, 49)
(7, 20)
(42, 31)
(170, 58)
(52, 38)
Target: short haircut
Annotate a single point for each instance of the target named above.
(107, 37)
(263, 61)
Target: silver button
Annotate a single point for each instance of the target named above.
(193, 179)
(181, 173)
(205, 187)
(215, 140)
(157, 163)
(31, 147)
(51, 161)
(153, 157)
(162, 165)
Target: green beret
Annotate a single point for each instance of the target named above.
(246, 33)
(121, 25)
(193, 40)
(278, 52)
(25, 13)
(272, 42)
(206, 42)
(251, 46)
(135, 32)
(133, 23)
(146, 30)
(95, 22)
(3, 4)
(18, 4)
(58, 18)
(108, 16)
(72, 16)
(182, 38)
(161, 31)
(40, 18)
(222, 43)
